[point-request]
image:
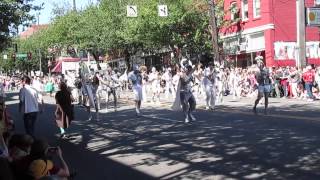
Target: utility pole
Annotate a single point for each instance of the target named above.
(74, 5)
(214, 31)
(301, 34)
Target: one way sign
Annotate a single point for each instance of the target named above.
(163, 10)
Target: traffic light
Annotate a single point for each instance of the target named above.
(29, 55)
(13, 56)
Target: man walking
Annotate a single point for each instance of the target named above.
(29, 105)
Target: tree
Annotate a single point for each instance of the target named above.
(13, 13)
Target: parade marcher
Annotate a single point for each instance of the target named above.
(135, 79)
(111, 82)
(155, 84)
(264, 87)
(64, 110)
(184, 95)
(208, 83)
(167, 76)
(220, 84)
(90, 84)
(144, 75)
(198, 77)
(30, 104)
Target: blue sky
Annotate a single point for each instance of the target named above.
(45, 14)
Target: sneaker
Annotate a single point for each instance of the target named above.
(192, 117)
(310, 100)
(63, 136)
(186, 120)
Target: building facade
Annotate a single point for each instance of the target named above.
(266, 28)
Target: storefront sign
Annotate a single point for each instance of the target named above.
(313, 16)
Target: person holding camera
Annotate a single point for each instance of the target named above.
(39, 163)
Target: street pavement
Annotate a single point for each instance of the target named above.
(228, 143)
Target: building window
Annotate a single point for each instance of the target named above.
(234, 11)
(256, 8)
(245, 10)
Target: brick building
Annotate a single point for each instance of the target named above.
(31, 30)
(267, 28)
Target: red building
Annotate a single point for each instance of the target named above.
(267, 28)
(32, 30)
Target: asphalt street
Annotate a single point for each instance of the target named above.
(228, 143)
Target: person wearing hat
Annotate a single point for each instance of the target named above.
(264, 87)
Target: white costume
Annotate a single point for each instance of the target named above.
(136, 79)
(155, 84)
(208, 83)
(167, 76)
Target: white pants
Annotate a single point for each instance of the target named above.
(294, 88)
(210, 96)
(137, 91)
(169, 87)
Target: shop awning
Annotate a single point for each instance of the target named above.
(57, 68)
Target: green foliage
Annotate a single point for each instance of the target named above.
(106, 27)
(12, 14)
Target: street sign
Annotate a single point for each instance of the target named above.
(22, 56)
(313, 16)
(163, 10)
(5, 56)
(132, 11)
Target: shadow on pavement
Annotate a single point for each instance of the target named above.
(218, 145)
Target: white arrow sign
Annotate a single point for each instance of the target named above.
(163, 10)
(132, 11)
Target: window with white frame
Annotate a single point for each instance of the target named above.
(244, 10)
(233, 10)
(256, 8)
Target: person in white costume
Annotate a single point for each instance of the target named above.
(135, 79)
(169, 89)
(155, 84)
(208, 83)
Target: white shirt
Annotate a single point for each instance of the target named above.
(30, 99)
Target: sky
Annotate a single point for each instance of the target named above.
(45, 13)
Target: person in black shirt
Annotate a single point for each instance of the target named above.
(64, 111)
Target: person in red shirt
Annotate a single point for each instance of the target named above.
(308, 78)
